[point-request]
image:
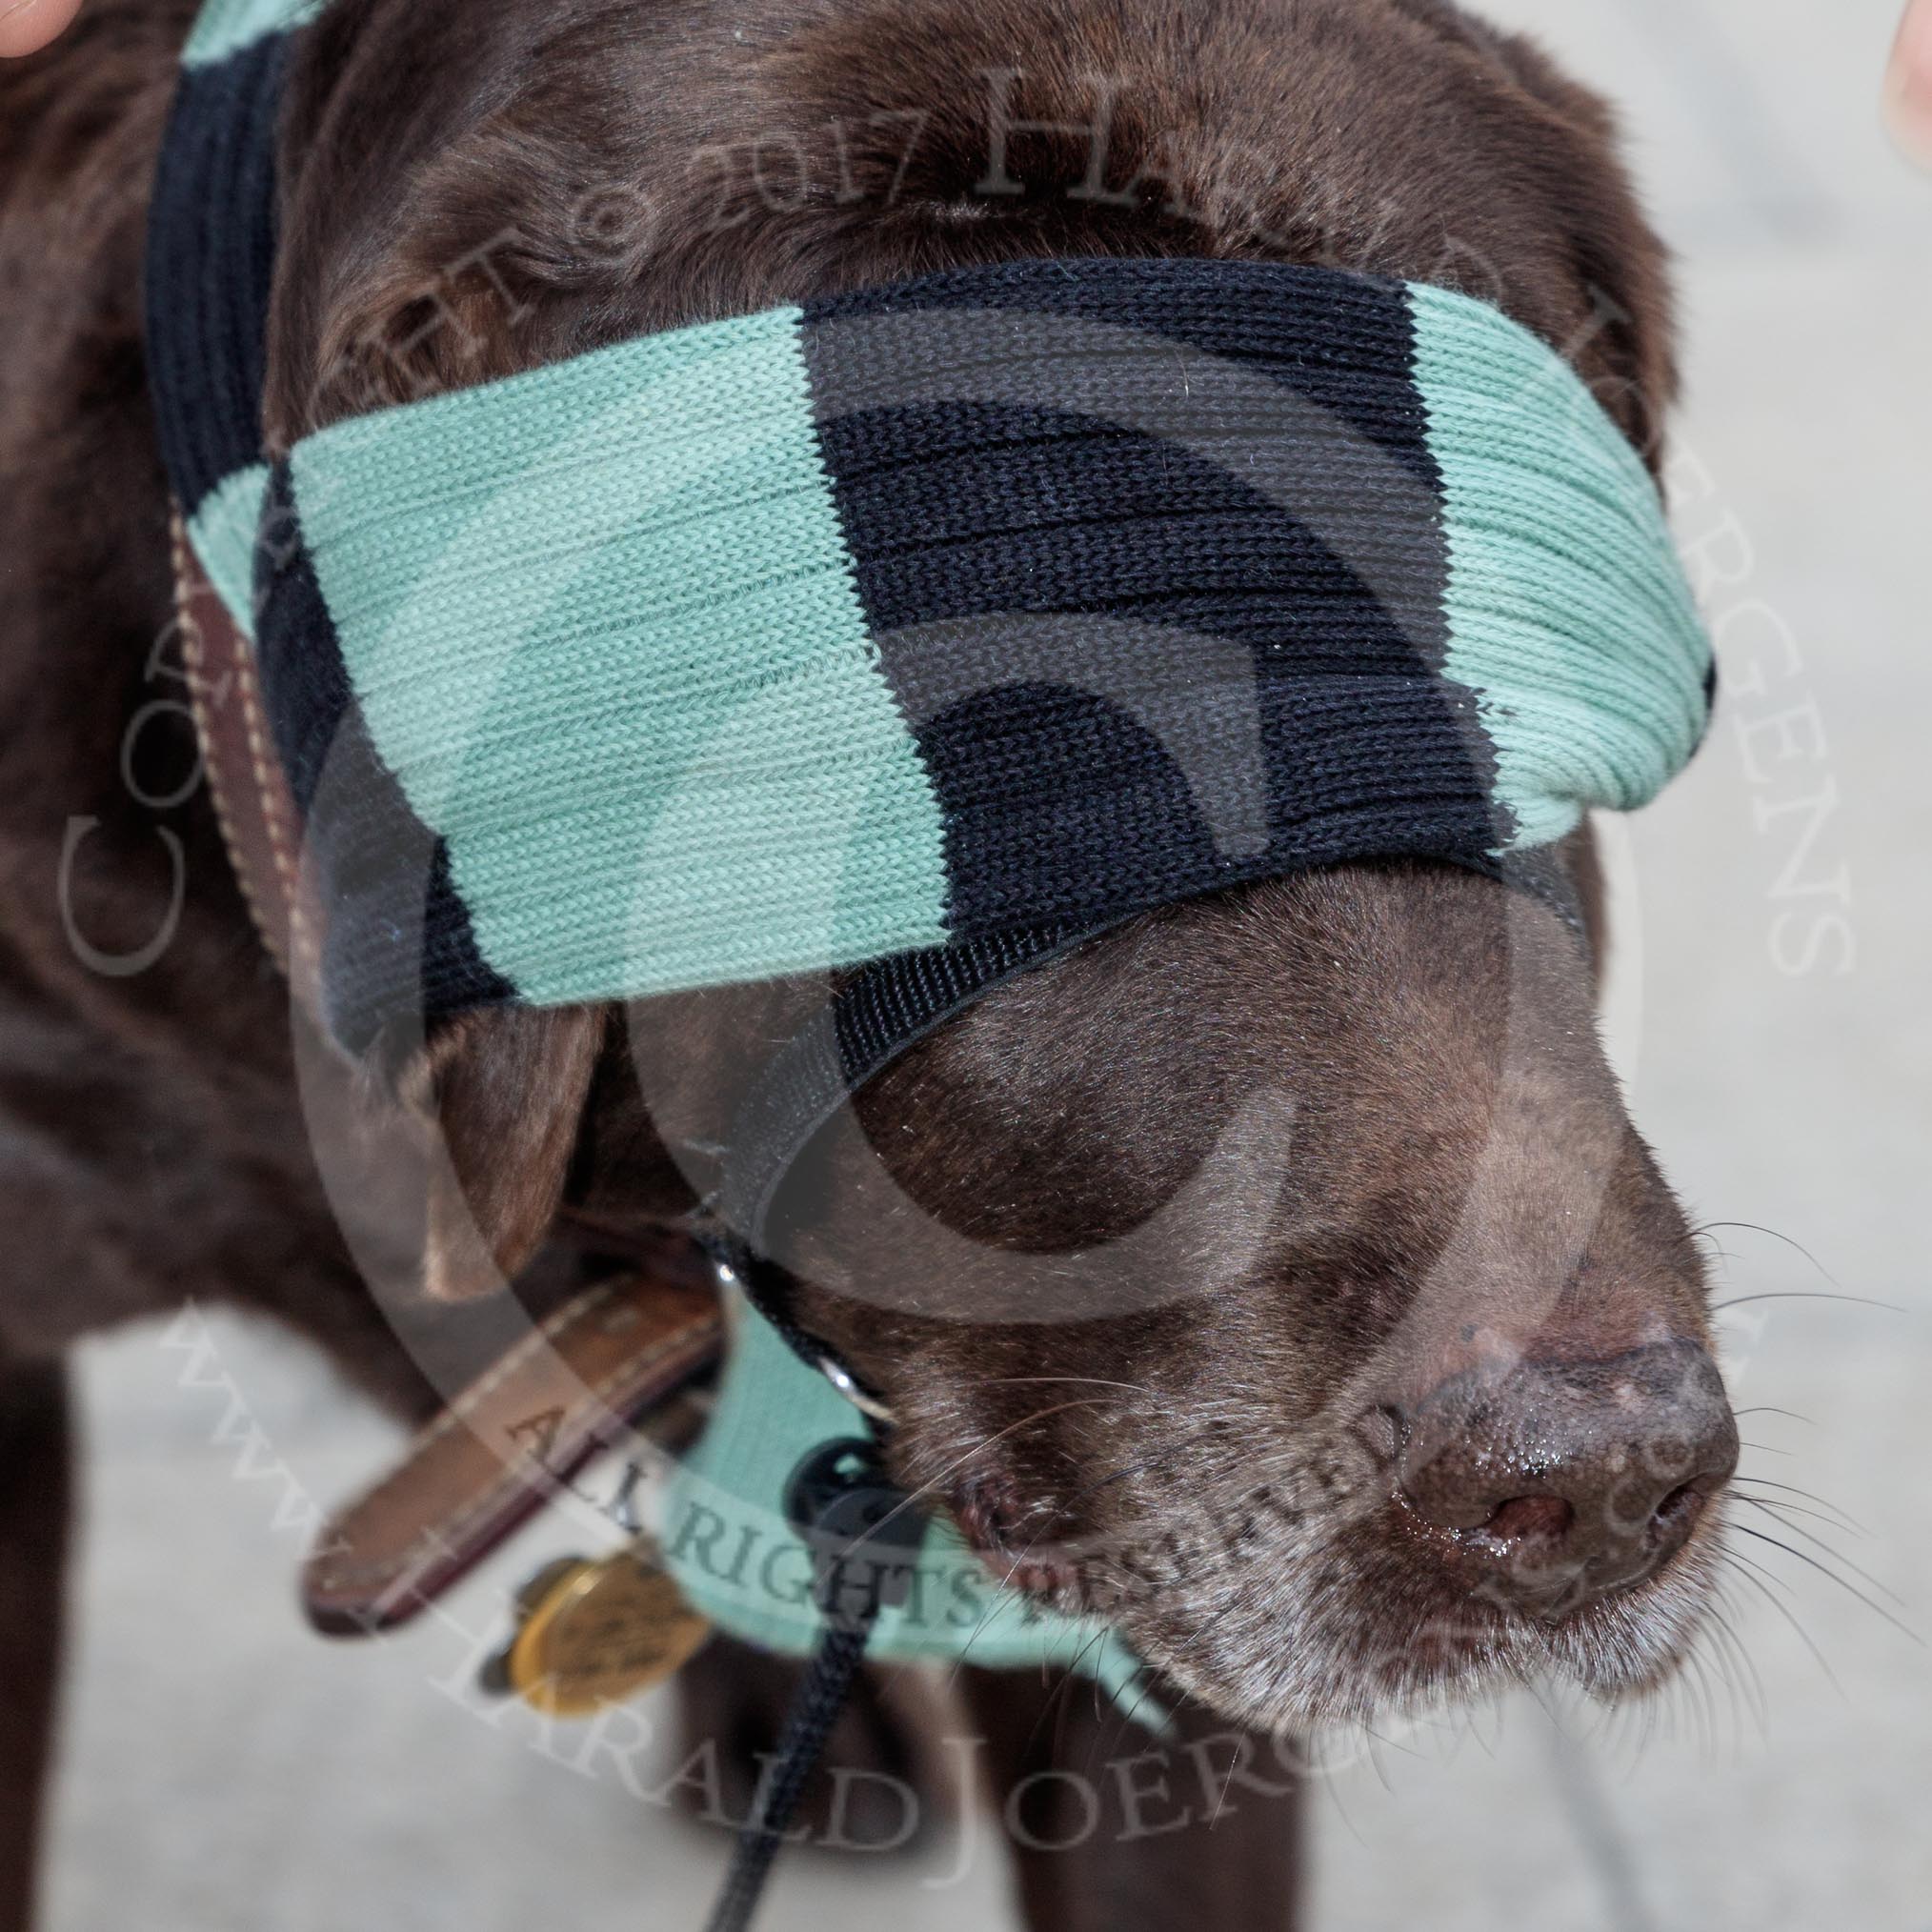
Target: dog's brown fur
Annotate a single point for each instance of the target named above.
(471, 191)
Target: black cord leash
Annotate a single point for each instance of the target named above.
(821, 1697)
(864, 1535)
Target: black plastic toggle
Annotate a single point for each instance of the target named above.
(862, 1530)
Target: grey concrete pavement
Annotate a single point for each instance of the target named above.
(225, 1772)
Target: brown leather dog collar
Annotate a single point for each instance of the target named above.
(259, 820)
(508, 1446)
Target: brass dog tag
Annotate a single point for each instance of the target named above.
(600, 1633)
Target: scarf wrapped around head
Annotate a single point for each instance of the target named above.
(1007, 602)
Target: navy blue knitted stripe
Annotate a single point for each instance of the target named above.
(304, 678)
(1131, 501)
(397, 937)
(210, 262)
(958, 510)
(1345, 342)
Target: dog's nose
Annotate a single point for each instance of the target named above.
(1566, 1481)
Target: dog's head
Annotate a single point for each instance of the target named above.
(1279, 1273)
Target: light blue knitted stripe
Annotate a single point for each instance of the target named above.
(1569, 613)
(602, 625)
(741, 1565)
(225, 27)
(223, 531)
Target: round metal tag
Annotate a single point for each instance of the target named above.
(601, 1633)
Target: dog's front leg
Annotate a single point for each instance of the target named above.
(35, 1499)
(1114, 1829)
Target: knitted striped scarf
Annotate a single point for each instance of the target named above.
(940, 616)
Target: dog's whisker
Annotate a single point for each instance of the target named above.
(1784, 1509)
(1772, 1234)
(1826, 1570)
(1002, 1600)
(1691, 1234)
(1838, 1556)
(1093, 1381)
(980, 1448)
(1843, 1515)
(1810, 1295)
(1726, 1632)
(1060, 1702)
(1736, 1702)
(1128, 1716)
(1697, 1666)
(1761, 1580)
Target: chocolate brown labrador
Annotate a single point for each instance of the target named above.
(1380, 1369)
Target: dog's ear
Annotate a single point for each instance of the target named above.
(1617, 253)
(1629, 355)
(1564, 142)
(503, 1095)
